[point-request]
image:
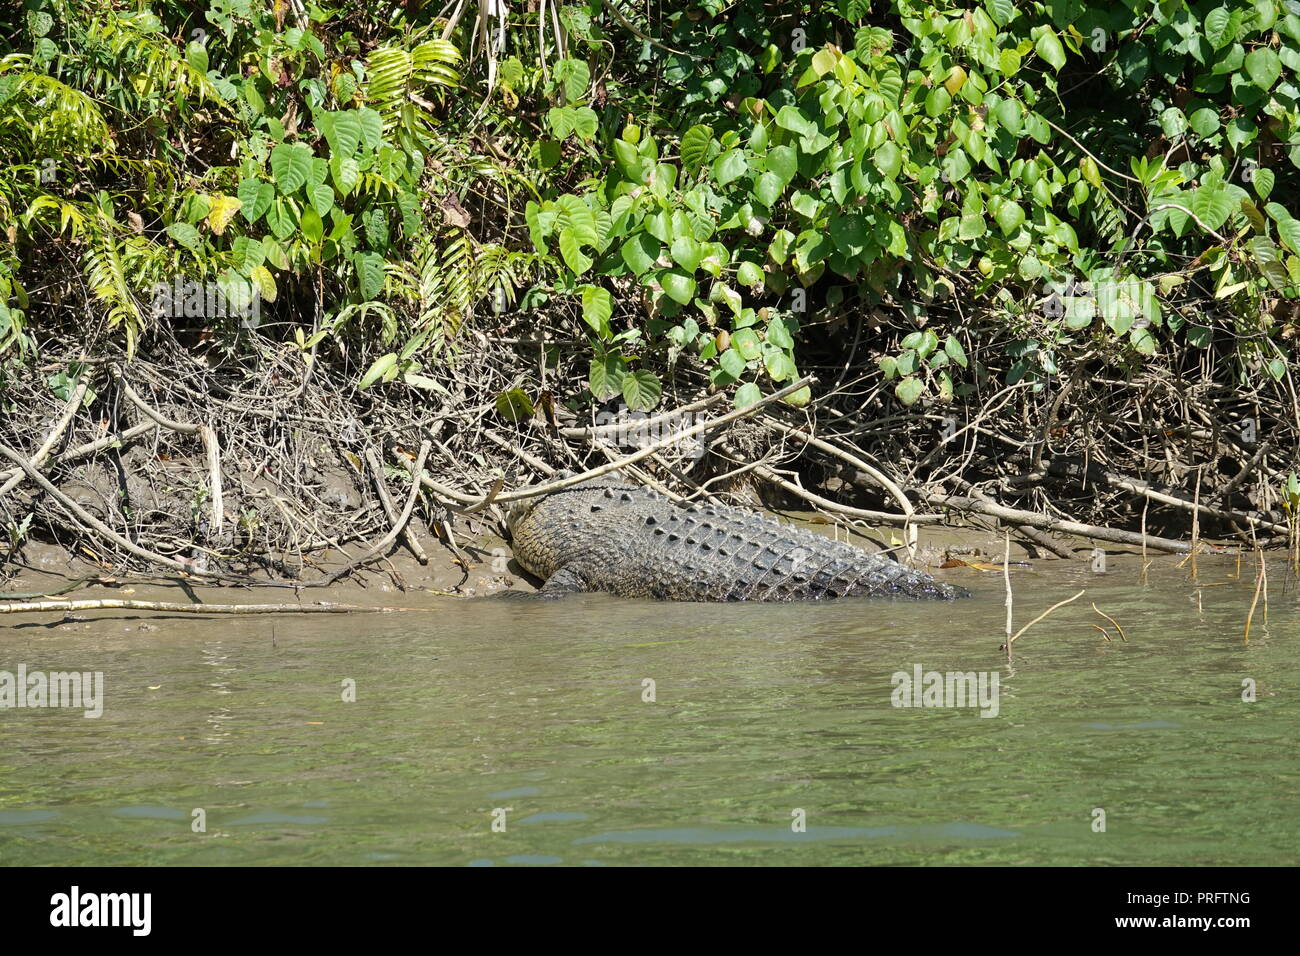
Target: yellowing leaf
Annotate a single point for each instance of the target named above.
(265, 283)
(223, 210)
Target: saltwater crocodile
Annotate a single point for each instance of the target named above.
(606, 535)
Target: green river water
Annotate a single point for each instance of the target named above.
(537, 710)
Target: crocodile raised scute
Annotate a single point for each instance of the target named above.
(606, 535)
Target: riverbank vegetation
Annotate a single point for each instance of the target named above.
(1033, 264)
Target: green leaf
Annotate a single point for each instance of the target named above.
(1212, 204)
(745, 341)
(888, 158)
(1010, 217)
(571, 250)
(732, 363)
(311, 225)
(955, 351)
(370, 273)
(783, 161)
(1263, 67)
(345, 173)
(186, 235)
(695, 147)
(1050, 49)
(1218, 28)
(729, 167)
(937, 100)
(1263, 182)
(515, 406)
(749, 273)
(381, 367)
(680, 288)
(747, 394)
(641, 390)
(768, 189)
(606, 375)
(628, 159)
(793, 119)
(322, 198)
(256, 197)
(597, 307)
(1002, 11)
(909, 389)
(640, 252)
(290, 167)
(1204, 121)
(780, 366)
(779, 335)
(686, 252)
(344, 133)
(1287, 227)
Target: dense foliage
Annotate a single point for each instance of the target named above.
(970, 186)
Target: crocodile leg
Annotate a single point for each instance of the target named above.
(564, 581)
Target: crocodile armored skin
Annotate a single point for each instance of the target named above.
(605, 535)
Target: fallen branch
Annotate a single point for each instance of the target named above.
(882, 517)
(1017, 517)
(74, 403)
(212, 447)
(86, 518)
(117, 604)
(1112, 620)
(158, 417)
(28, 595)
(521, 494)
(1029, 531)
(383, 543)
(390, 509)
(875, 474)
(1138, 487)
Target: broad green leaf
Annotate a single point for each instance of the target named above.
(1218, 28)
(747, 394)
(514, 405)
(1050, 49)
(256, 197)
(597, 307)
(290, 167)
(606, 376)
(686, 252)
(768, 188)
(641, 390)
(909, 390)
(783, 161)
(745, 341)
(732, 363)
(695, 147)
(1010, 217)
(1212, 204)
(680, 288)
(1263, 67)
(186, 235)
(729, 167)
(381, 367)
(640, 252)
(571, 251)
(888, 158)
(370, 274)
(1262, 180)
